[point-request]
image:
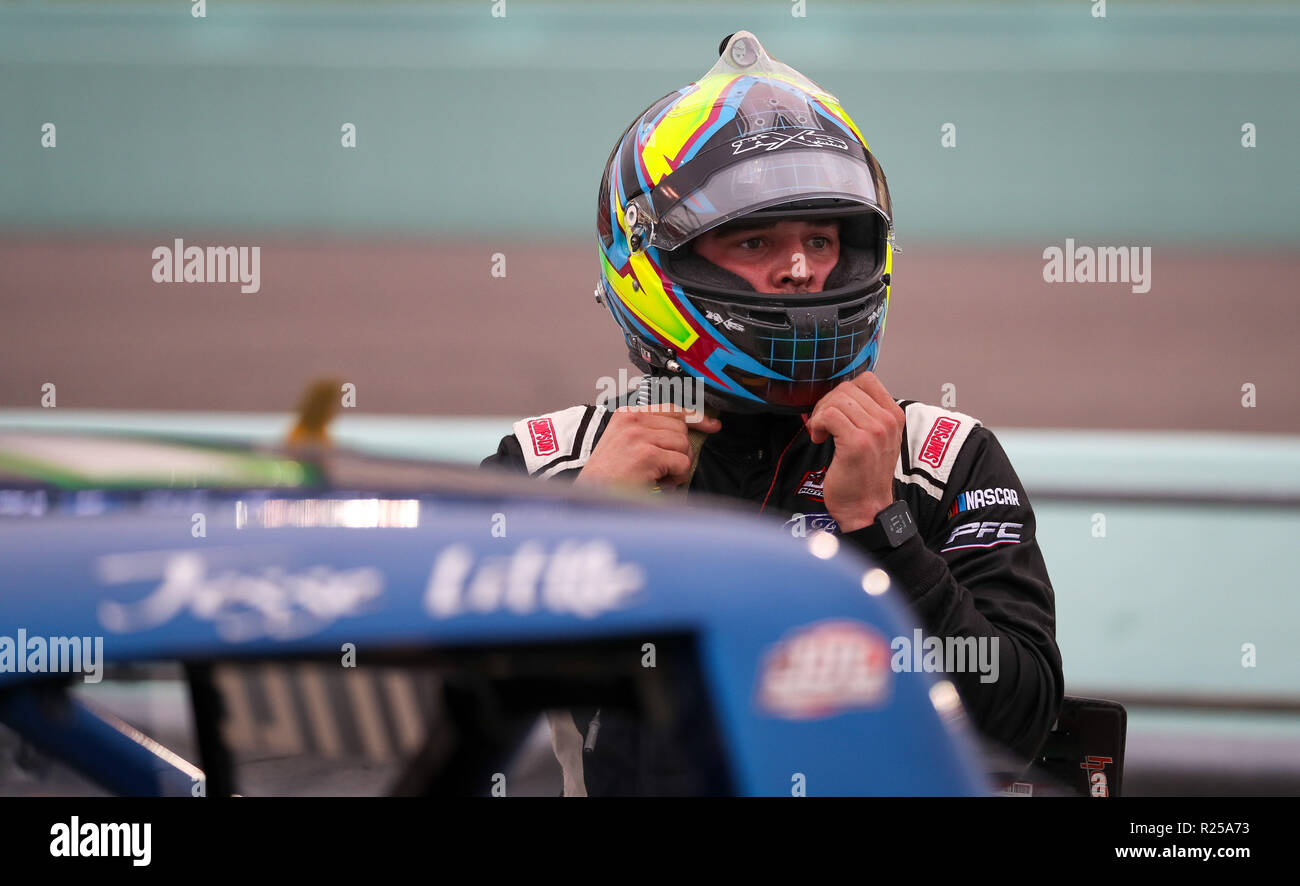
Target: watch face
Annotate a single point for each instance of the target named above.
(898, 522)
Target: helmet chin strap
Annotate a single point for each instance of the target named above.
(644, 395)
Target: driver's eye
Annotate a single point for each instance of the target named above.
(820, 242)
(751, 243)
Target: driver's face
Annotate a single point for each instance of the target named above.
(776, 256)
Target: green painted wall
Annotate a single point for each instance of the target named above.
(1122, 129)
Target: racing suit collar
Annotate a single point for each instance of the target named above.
(752, 431)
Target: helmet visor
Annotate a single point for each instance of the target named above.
(770, 178)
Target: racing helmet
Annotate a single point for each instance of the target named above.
(751, 138)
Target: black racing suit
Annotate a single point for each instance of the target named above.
(973, 570)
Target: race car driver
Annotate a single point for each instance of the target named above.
(745, 239)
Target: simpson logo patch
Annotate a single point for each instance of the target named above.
(558, 441)
(811, 484)
(936, 442)
(933, 443)
(823, 669)
(542, 432)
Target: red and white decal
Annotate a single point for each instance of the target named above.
(823, 669)
(935, 438)
(1098, 786)
(811, 484)
(542, 432)
(558, 441)
(936, 442)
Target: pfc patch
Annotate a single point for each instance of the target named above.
(986, 534)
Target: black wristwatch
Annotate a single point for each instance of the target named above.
(894, 525)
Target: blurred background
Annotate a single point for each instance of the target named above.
(1173, 413)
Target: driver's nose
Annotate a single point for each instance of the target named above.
(791, 271)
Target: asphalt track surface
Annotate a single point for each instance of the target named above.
(424, 328)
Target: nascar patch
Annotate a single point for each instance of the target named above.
(981, 498)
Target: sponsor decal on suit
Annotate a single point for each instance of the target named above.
(984, 534)
(980, 498)
(800, 525)
(811, 484)
(542, 432)
(936, 442)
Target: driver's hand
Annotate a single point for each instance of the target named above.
(867, 426)
(645, 446)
